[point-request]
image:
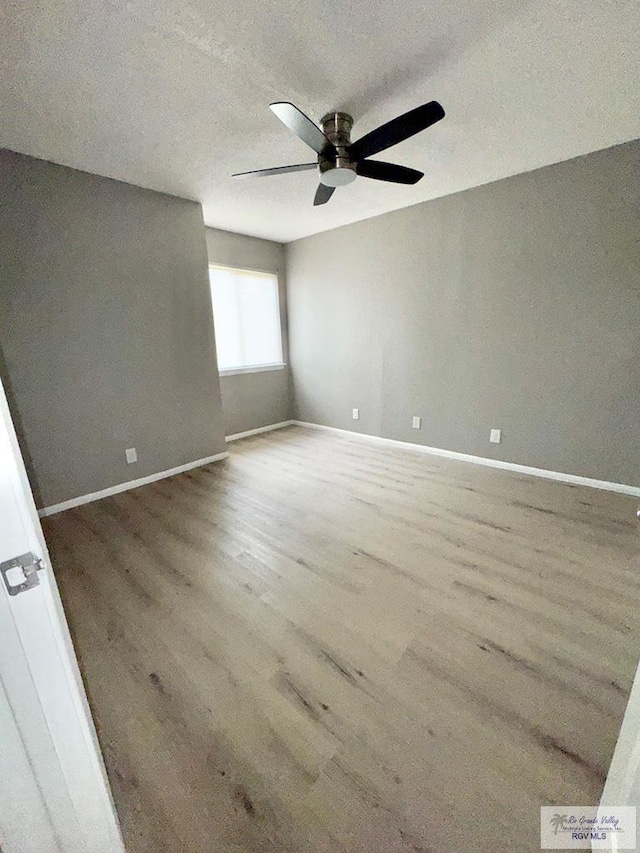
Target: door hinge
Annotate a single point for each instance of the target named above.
(21, 573)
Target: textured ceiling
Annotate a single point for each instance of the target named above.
(174, 95)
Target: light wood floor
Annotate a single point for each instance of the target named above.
(325, 645)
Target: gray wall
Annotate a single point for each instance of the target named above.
(105, 327)
(513, 305)
(253, 400)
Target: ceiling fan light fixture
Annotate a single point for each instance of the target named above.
(337, 176)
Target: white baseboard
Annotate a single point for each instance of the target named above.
(574, 479)
(130, 484)
(258, 430)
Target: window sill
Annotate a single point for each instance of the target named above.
(261, 368)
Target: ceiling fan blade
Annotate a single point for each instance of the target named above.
(302, 126)
(397, 130)
(277, 170)
(380, 171)
(323, 194)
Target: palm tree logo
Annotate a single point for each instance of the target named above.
(557, 821)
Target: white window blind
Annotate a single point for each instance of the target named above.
(246, 314)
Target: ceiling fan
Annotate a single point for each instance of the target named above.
(340, 160)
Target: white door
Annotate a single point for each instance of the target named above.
(54, 793)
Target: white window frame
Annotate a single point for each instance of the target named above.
(256, 368)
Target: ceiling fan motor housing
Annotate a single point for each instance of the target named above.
(337, 170)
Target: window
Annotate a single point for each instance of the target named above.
(246, 315)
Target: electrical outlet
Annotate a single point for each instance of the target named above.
(495, 436)
(416, 423)
(356, 414)
(131, 455)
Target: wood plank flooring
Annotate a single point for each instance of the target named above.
(324, 645)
